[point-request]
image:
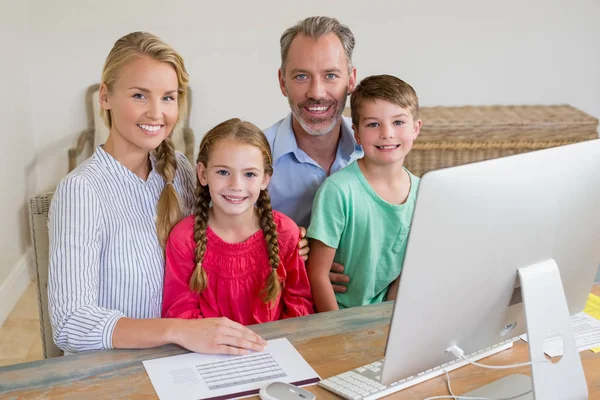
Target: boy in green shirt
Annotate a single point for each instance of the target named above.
(362, 214)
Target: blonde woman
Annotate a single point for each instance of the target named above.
(110, 217)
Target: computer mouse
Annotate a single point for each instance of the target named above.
(285, 391)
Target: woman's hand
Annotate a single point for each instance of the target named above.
(215, 336)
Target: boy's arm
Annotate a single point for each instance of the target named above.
(393, 289)
(336, 274)
(327, 225)
(319, 263)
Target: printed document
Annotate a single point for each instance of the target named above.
(205, 376)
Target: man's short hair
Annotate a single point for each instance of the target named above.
(315, 28)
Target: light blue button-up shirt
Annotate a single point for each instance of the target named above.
(296, 176)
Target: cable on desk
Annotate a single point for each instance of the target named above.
(459, 353)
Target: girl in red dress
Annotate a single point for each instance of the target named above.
(235, 257)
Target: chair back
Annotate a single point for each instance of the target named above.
(38, 214)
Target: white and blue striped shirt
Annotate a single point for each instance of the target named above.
(105, 258)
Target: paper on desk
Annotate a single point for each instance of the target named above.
(587, 335)
(592, 307)
(203, 376)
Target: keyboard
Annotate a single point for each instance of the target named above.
(364, 382)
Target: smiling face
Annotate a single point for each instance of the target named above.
(386, 131)
(316, 82)
(142, 104)
(235, 175)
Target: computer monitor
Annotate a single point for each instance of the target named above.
(475, 227)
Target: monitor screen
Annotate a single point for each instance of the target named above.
(473, 228)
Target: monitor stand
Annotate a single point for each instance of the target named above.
(506, 388)
(546, 311)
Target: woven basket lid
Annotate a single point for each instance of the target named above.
(505, 123)
(500, 123)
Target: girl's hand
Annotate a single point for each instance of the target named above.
(215, 336)
(303, 248)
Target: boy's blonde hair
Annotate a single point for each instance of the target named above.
(387, 88)
(126, 49)
(247, 133)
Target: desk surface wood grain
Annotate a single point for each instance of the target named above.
(331, 343)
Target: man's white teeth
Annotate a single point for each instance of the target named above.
(393, 146)
(150, 128)
(317, 109)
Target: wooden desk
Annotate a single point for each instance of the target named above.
(331, 342)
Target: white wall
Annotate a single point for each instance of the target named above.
(16, 154)
(459, 52)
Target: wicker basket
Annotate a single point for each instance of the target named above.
(458, 135)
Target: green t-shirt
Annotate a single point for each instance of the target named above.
(368, 233)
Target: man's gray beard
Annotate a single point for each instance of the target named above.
(307, 126)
